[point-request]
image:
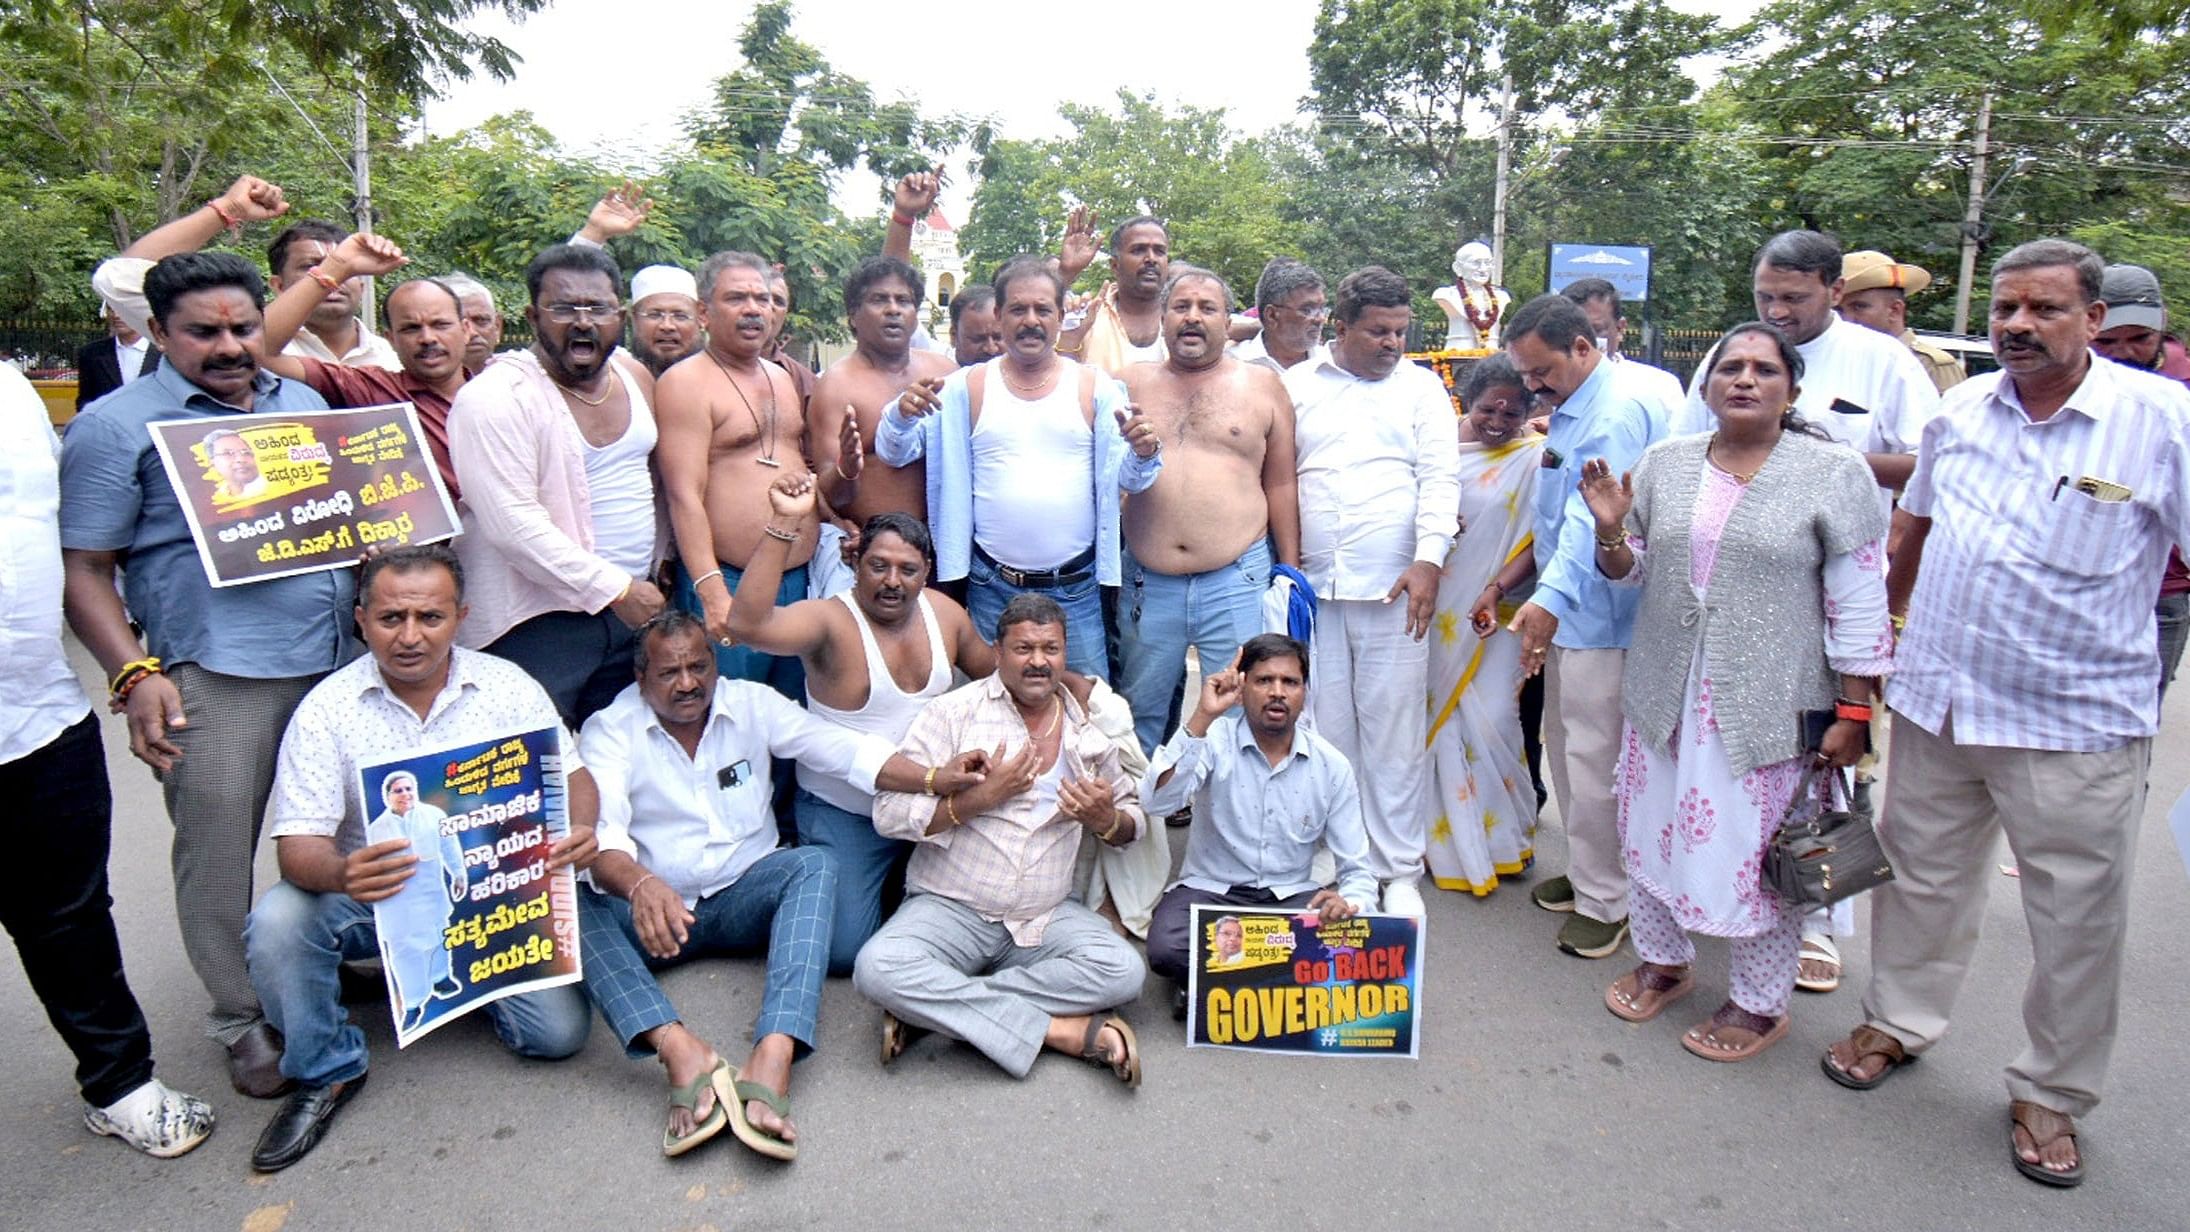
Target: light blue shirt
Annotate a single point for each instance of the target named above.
(1256, 824)
(1612, 418)
(944, 437)
(115, 497)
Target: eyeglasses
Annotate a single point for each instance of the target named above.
(565, 314)
(1320, 312)
(655, 316)
(232, 455)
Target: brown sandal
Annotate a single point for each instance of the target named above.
(1699, 1039)
(1643, 994)
(1867, 1041)
(2045, 1127)
(1127, 1067)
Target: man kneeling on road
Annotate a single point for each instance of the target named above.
(1265, 793)
(987, 948)
(415, 691)
(689, 867)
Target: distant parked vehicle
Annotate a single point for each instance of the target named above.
(1975, 351)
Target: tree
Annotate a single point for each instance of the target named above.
(1217, 193)
(1866, 122)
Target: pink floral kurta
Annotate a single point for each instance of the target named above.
(1693, 832)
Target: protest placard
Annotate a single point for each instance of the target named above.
(281, 493)
(482, 917)
(1272, 980)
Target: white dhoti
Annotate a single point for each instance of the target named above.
(1370, 697)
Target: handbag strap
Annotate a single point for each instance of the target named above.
(1802, 791)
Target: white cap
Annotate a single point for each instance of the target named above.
(663, 280)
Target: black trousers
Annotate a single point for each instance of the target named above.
(1171, 925)
(60, 916)
(583, 660)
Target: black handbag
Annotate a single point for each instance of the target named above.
(1832, 854)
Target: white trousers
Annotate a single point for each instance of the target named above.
(1370, 697)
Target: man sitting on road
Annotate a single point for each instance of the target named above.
(1265, 795)
(987, 948)
(689, 867)
(417, 690)
(873, 657)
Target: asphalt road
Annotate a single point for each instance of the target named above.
(1530, 1107)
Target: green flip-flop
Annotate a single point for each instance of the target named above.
(746, 1132)
(688, 1096)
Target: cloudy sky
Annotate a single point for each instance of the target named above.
(614, 87)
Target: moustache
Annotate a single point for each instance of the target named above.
(241, 363)
(688, 695)
(1030, 331)
(751, 320)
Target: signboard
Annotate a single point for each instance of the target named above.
(1625, 267)
(1277, 980)
(282, 493)
(482, 916)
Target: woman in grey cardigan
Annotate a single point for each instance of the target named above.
(1758, 548)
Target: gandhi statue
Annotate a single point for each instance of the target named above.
(1473, 307)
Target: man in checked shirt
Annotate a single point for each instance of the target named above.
(2026, 693)
(986, 947)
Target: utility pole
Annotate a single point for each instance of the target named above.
(1498, 193)
(1973, 217)
(361, 170)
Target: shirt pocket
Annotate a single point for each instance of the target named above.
(2086, 537)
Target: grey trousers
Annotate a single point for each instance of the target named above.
(2071, 819)
(938, 964)
(1582, 743)
(216, 798)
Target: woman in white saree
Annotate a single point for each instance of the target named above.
(1483, 823)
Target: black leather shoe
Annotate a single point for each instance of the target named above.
(299, 1123)
(254, 1063)
(1178, 1003)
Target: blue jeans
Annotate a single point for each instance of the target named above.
(782, 907)
(297, 942)
(865, 862)
(783, 673)
(1161, 614)
(986, 595)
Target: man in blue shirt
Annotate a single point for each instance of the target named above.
(210, 688)
(1576, 626)
(1266, 794)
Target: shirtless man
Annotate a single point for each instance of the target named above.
(889, 621)
(1199, 543)
(730, 425)
(882, 302)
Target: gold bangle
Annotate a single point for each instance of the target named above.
(928, 784)
(1110, 832)
(1613, 544)
(950, 805)
(786, 536)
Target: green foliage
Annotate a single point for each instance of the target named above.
(1872, 115)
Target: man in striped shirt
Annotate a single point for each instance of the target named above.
(2025, 692)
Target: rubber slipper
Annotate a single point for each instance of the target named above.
(1128, 1067)
(1868, 1041)
(893, 1037)
(743, 1129)
(1655, 988)
(2032, 1119)
(1768, 1031)
(688, 1097)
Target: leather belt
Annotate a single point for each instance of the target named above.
(1079, 569)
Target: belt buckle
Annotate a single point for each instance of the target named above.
(1013, 576)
